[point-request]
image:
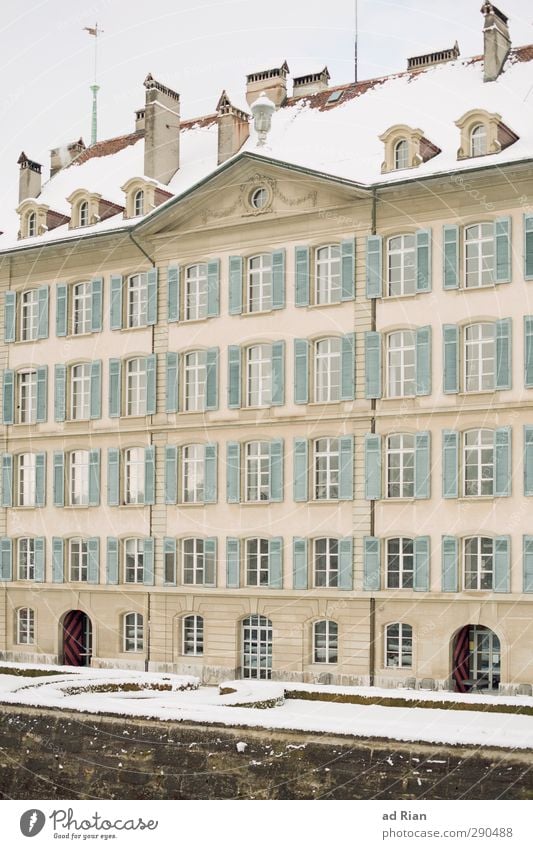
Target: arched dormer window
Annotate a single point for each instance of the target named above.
(32, 224)
(141, 196)
(138, 203)
(84, 213)
(401, 154)
(405, 147)
(483, 133)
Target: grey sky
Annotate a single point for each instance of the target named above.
(198, 47)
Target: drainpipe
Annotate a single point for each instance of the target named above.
(372, 612)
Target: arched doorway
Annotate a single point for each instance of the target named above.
(257, 647)
(476, 659)
(77, 639)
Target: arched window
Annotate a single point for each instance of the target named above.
(133, 632)
(138, 203)
(325, 642)
(400, 563)
(478, 463)
(401, 363)
(478, 563)
(398, 645)
(257, 647)
(478, 140)
(479, 255)
(480, 356)
(193, 635)
(326, 562)
(401, 465)
(195, 380)
(328, 274)
(84, 213)
(134, 475)
(401, 154)
(196, 292)
(25, 626)
(260, 283)
(136, 386)
(401, 265)
(327, 370)
(193, 473)
(32, 224)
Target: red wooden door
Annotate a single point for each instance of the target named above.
(461, 659)
(76, 638)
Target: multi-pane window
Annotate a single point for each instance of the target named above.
(196, 292)
(84, 213)
(326, 468)
(259, 375)
(260, 283)
(26, 559)
(193, 635)
(193, 473)
(136, 387)
(478, 140)
(82, 308)
(401, 265)
(134, 561)
(134, 476)
(257, 647)
(80, 391)
(26, 480)
(328, 274)
(79, 478)
(479, 255)
(326, 562)
(195, 378)
(399, 645)
(25, 626)
(257, 471)
(78, 559)
(400, 563)
(401, 465)
(137, 300)
(133, 632)
(29, 315)
(27, 396)
(478, 462)
(327, 370)
(198, 563)
(401, 154)
(257, 572)
(325, 642)
(32, 224)
(138, 203)
(478, 563)
(480, 357)
(401, 361)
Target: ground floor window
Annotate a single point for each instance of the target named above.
(398, 645)
(325, 642)
(133, 632)
(257, 647)
(25, 629)
(193, 635)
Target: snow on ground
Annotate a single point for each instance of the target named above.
(206, 705)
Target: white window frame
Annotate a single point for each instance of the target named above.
(83, 213)
(401, 458)
(325, 641)
(82, 310)
(26, 559)
(80, 392)
(26, 479)
(32, 224)
(138, 203)
(402, 550)
(259, 289)
(78, 560)
(399, 648)
(478, 455)
(401, 154)
(328, 576)
(192, 635)
(328, 284)
(478, 140)
(327, 380)
(401, 265)
(134, 570)
(133, 632)
(480, 255)
(136, 386)
(198, 567)
(193, 473)
(257, 471)
(29, 315)
(326, 468)
(134, 468)
(259, 375)
(401, 364)
(257, 562)
(479, 357)
(78, 478)
(27, 396)
(256, 635)
(195, 306)
(478, 559)
(25, 626)
(195, 373)
(137, 300)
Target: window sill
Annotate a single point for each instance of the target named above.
(191, 504)
(408, 499)
(329, 500)
(77, 506)
(194, 320)
(264, 503)
(484, 498)
(475, 392)
(338, 303)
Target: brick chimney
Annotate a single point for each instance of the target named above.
(496, 41)
(233, 128)
(29, 178)
(62, 156)
(273, 82)
(161, 131)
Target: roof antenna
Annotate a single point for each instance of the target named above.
(356, 33)
(95, 87)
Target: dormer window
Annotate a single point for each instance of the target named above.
(142, 196)
(84, 213)
(401, 154)
(138, 203)
(483, 133)
(405, 147)
(32, 224)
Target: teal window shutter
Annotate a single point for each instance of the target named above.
(423, 261)
(213, 288)
(372, 365)
(169, 560)
(502, 237)
(96, 390)
(346, 468)
(528, 351)
(372, 467)
(115, 315)
(528, 460)
(278, 374)
(234, 377)
(113, 477)
(57, 560)
(42, 327)
(299, 563)
(422, 464)
(450, 464)
(528, 247)
(42, 394)
(528, 564)
(502, 461)
(59, 478)
(173, 297)
(40, 559)
(210, 473)
(115, 387)
(8, 396)
(97, 294)
(301, 371)
(232, 562)
(346, 563)
(423, 360)
(40, 480)
(502, 564)
(347, 269)
(348, 367)
(371, 564)
(151, 296)
(235, 285)
(151, 365)
(300, 470)
(275, 563)
(61, 309)
(148, 563)
(60, 392)
(421, 558)
(94, 477)
(210, 552)
(149, 474)
(171, 474)
(278, 279)
(10, 316)
(450, 245)
(211, 379)
(6, 559)
(276, 470)
(112, 560)
(374, 270)
(171, 366)
(451, 358)
(7, 480)
(301, 287)
(93, 560)
(503, 354)
(233, 472)
(450, 571)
